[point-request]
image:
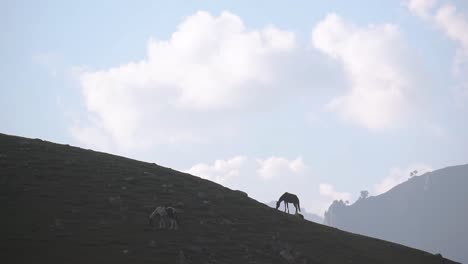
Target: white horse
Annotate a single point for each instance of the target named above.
(165, 214)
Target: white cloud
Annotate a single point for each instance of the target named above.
(212, 61)
(420, 8)
(453, 23)
(90, 137)
(398, 175)
(180, 91)
(380, 68)
(329, 192)
(280, 167)
(220, 171)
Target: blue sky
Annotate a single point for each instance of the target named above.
(322, 99)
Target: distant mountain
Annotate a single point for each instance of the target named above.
(428, 212)
(62, 204)
(308, 216)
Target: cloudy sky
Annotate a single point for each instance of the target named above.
(318, 98)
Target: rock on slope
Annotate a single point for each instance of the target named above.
(63, 204)
(429, 212)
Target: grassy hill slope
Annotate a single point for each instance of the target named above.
(62, 204)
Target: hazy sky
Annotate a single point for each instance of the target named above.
(318, 98)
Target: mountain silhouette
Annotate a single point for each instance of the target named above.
(428, 212)
(62, 204)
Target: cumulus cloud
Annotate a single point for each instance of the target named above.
(212, 61)
(220, 171)
(420, 8)
(90, 137)
(453, 23)
(399, 175)
(279, 166)
(329, 192)
(379, 66)
(208, 65)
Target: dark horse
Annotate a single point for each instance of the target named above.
(288, 198)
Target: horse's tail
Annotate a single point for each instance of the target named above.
(298, 205)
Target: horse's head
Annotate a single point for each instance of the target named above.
(278, 204)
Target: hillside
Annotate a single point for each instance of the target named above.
(308, 216)
(63, 204)
(429, 212)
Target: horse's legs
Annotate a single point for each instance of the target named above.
(287, 206)
(173, 224)
(162, 222)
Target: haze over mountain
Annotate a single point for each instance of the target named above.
(428, 212)
(62, 204)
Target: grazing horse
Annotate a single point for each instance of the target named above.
(288, 198)
(165, 214)
(172, 215)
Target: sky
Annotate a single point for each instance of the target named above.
(318, 98)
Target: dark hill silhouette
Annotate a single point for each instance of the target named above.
(429, 212)
(62, 204)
